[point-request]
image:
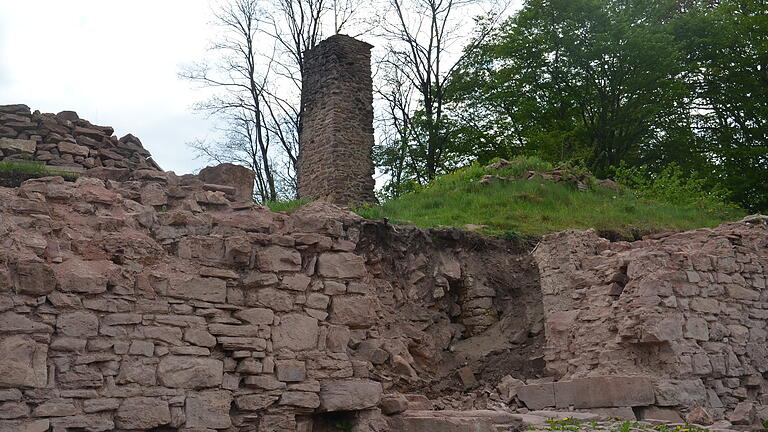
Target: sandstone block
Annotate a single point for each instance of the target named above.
(607, 391)
(296, 332)
(72, 148)
(23, 363)
(18, 145)
(26, 425)
(11, 322)
(341, 265)
(55, 408)
(296, 282)
(278, 259)
(208, 409)
(90, 277)
(274, 299)
(199, 337)
(13, 410)
(142, 413)
(353, 311)
(349, 395)
(290, 370)
(34, 278)
(236, 176)
(190, 372)
(300, 399)
(393, 404)
(197, 288)
(255, 402)
(537, 396)
(257, 315)
(79, 324)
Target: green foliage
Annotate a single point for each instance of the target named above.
(286, 206)
(646, 83)
(33, 168)
(344, 426)
(566, 424)
(672, 185)
(536, 207)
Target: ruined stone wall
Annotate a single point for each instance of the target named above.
(141, 300)
(66, 141)
(688, 310)
(337, 123)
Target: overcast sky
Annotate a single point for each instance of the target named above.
(114, 62)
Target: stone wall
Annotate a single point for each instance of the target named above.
(66, 141)
(336, 138)
(141, 300)
(688, 310)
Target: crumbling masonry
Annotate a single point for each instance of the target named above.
(337, 123)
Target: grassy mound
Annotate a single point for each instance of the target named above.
(509, 204)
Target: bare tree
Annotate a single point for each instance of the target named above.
(242, 76)
(257, 64)
(423, 36)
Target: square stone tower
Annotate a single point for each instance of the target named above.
(336, 138)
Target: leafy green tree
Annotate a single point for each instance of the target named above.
(727, 48)
(598, 80)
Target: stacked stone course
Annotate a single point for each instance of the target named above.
(66, 141)
(688, 310)
(141, 300)
(337, 123)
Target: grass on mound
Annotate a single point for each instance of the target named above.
(536, 207)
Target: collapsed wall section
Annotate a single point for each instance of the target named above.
(687, 310)
(66, 141)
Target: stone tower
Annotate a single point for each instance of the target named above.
(336, 139)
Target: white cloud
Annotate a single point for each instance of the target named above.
(115, 63)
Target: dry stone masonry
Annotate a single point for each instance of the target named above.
(336, 137)
(134, 299)
(66, 141)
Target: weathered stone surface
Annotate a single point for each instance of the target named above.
(208, 409)
(23, 363)
(278, 259)
(290, 370)
(13, 410)
(341, 265)
(79, 324)
(255, 402)
(256, 316)
(90, 277)
(353, 311)
(300, 399)
(34, 278)
(393, 404)
(197, 288)
(190, 372)
(55, 408)
(349, 395)
(142, 413)
(609, 391)
(239, 177)
(18, 145)
(537, 396)
(296, 332)
(13, 323)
